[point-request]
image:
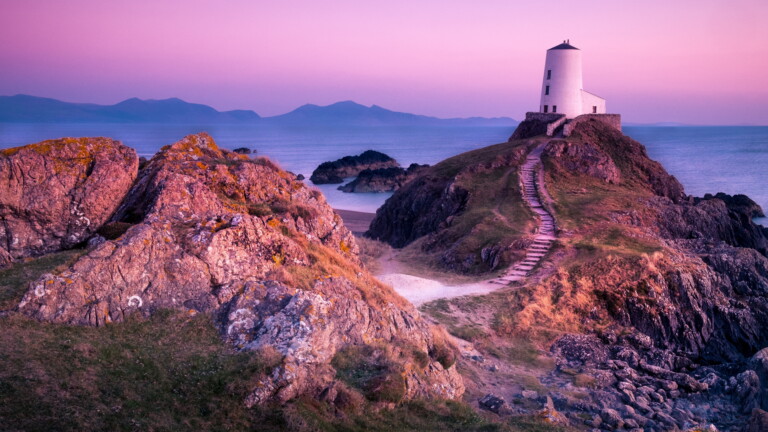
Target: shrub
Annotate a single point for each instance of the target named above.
(259, 210)
(443, 354)
(370, 369)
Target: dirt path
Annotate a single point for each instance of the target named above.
(419, 290)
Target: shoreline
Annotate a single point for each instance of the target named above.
(356, 221)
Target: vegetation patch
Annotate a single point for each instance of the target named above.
(370, 369)
(14, 280)
(169, 372)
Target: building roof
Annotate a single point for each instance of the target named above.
(564, 45)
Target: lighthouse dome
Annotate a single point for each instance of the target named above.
(564, 45)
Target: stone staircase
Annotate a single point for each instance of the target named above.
(546, 232)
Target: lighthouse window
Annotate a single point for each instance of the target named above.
(546, 108)
(549, 73)
(546, 90)
(554, 108)
(594, 109)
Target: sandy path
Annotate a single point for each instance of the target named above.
(420, 290)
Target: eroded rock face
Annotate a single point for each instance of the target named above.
(213, 231)
(350, 166)
(55, 194)
(417, 209)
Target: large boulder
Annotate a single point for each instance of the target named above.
(56, 194)
(212, 231)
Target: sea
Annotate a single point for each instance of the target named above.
(706, 159)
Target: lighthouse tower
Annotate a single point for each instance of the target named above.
(561, 89)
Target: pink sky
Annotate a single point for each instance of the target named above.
(702, 61)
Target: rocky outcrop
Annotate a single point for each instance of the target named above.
(350, 166)
(716, 218)
(206, 230)
(383, 179)
(419, 208)
(56, 194)
(583, 158)
(594, 140)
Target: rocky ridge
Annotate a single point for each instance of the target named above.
(206, 230)
(661, 296)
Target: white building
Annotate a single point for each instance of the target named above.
(562, 89)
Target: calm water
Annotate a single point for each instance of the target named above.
(731, 159)
(711, 159)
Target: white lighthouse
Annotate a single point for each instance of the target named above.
(562, 88)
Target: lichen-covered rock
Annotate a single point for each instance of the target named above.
(212, 231)
(350, 166)
(308, 327)
(55, 194)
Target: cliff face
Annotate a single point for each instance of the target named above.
(56, 194)
(206, 230)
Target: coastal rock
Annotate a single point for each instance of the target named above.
(55, 194)
(382, 179)
(583, 158)
(208, 230)
(650, 284)
(350, 166)
(715, 218)
(758, 422)
(626, 154)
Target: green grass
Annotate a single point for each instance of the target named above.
(15, 279)
(171, 372)
(495, 215)
(422, 416)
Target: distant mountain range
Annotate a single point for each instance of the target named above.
(24, 108)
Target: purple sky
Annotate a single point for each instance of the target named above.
(701, 61)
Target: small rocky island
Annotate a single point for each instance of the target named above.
(350, 166)
(374, 172)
